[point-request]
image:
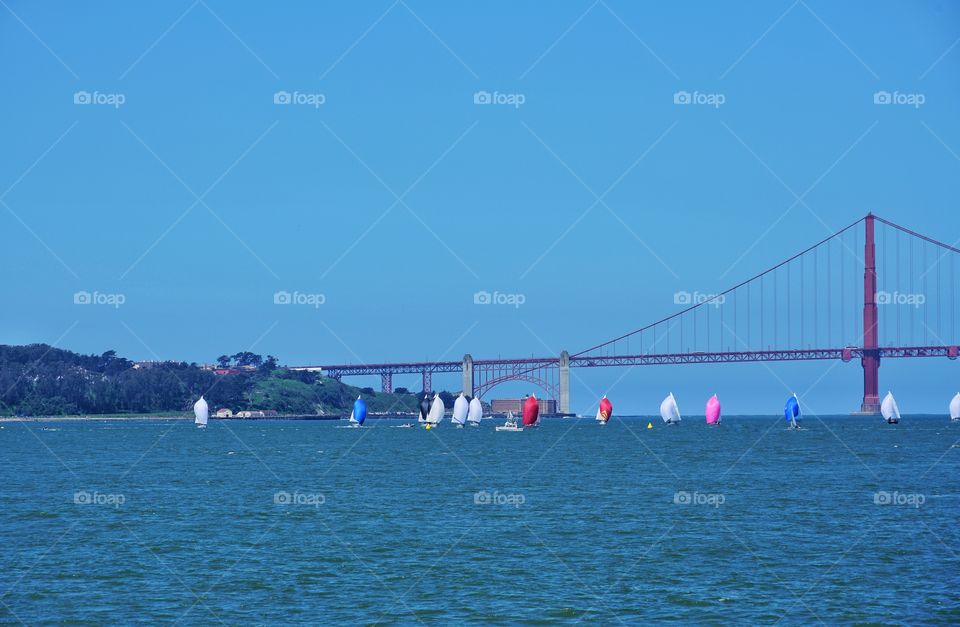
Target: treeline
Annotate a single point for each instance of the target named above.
(39, 380)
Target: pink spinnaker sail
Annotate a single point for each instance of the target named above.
(713, 411)
(531, 411)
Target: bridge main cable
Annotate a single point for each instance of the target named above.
(724, 293)
(918, 235)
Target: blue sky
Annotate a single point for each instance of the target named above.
(384, 187)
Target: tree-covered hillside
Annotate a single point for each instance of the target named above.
(40, 380)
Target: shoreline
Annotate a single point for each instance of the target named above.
(4, 419)
(311, 418)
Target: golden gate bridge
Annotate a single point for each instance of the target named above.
(807, 307)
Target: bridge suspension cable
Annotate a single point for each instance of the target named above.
(750, 308)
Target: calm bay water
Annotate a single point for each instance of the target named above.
(280, 522)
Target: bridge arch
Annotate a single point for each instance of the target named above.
(543, 384)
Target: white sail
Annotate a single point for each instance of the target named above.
(201, 412)
(460, 409)
(889, 409)
(599, 416)
(352, 419)
(437, 410)
(669, 410)
(955, 407)
(475, 412)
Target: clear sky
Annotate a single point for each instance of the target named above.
(197, 157)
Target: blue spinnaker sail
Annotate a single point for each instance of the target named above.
(791, 411)
(359, 410)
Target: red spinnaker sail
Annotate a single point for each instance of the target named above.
(531, 410)
(606, 408)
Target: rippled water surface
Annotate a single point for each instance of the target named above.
(280, 522)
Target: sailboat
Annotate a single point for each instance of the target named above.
(713, 410)
(889, 409)
(437, 409)
(424, 409)
(605, 410)
(791, 412)
(460, 409)
(510, 424)
(669, 410)
(359, 413)
(531, 412)
(475, 412)
(201, 412)
(955, 408)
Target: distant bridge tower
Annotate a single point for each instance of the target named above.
(564, 383)
(468, 375)
(871, 352)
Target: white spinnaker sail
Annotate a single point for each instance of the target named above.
(475, 411)
(888, 408)
(955, 407)
(669, 410)
(436, 411)
(201, 412)
(460, 409)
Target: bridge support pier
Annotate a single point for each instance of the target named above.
(564, 383)
(427, 381)
(386, 382)
(871, 353)
(468, 375)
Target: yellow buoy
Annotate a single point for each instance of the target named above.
(428, 427)
(649, 425)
